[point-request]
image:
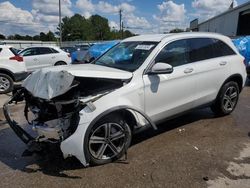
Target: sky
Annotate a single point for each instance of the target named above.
(140, 16)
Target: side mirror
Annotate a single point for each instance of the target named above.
(161, 68)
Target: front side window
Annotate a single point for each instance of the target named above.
(175, 54)
(127, 56)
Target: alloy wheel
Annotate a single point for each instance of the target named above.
(107, 141)
(230, 98)
(4, 84)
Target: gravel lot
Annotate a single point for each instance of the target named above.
(194, 150)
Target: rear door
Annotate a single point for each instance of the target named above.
(211, 58)
(46, 57)
(169, 94)
(31, 59)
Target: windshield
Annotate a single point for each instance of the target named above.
(127, 56)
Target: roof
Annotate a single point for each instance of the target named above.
(226, 12)
(151, 38)
(160, 37)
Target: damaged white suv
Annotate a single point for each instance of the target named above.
(92, 110)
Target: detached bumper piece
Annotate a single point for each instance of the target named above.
(20, 132)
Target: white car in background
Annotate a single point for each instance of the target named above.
(92, 110)
(12, 68)
(40, 57)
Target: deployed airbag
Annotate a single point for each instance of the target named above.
(48, 84)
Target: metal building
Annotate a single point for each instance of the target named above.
(233, 22)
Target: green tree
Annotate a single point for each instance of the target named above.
(176, 30)
(2, 36)
(43, 36)
(100, 27)
(127, 34)
(50, 36)
(36, 37)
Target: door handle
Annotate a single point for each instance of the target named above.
(53, 57)
(188, 70)
(35, 59)
(223, 63)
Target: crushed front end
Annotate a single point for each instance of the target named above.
(51, 121)
(51, 102)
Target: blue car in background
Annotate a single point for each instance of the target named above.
(93, 52)
(243, 45)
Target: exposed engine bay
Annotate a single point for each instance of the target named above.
(55, 119)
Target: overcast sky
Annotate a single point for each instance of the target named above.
(144, 16)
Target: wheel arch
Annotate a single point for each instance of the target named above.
(236, 78)
(56, 63)
(124, 111)
(7, 72)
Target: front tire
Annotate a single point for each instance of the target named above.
(6, 83)
(108, 140)
(227, 99)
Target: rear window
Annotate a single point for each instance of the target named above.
(13, 51)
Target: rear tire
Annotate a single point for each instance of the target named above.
(227, 99)
(6, 83)
(107, 140)
(60, 63)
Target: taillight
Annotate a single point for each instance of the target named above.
(17, 58)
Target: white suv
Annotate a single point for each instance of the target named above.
(91, 110)
(40, 57)
(12, 68)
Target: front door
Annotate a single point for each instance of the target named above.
(169, 94)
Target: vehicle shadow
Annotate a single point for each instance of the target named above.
(174, 123)
(53, 164)
(247, 82)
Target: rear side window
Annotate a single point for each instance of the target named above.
(207, 48)
(45, 51)
(201, 49)
(175, 53)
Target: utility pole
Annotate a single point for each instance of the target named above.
(122, 29)
(60, 23)
(121, 25)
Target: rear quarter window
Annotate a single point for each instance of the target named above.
(208, 48)
(53, 50)
(222, 49)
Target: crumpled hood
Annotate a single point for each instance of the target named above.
(51, 82)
